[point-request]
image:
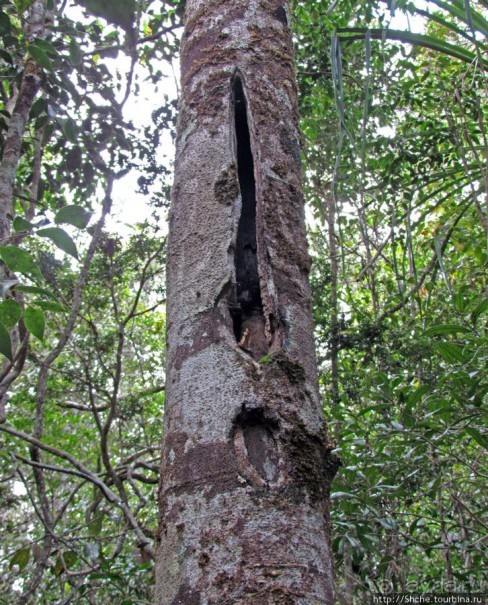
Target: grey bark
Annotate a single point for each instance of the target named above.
(246, 464)
(29, 87)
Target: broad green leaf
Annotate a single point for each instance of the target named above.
(19, 260)
(60, 238)
(477, 436)
(445, 329)
(47, 305)
(35, 290)
(5, 343)
(73, 215)
(35, 322)
(20, 558)
(118, 12)
(10, 313)
(40, 56)
(38, 107)
(450, 352)
(20, 224)
(46, 46)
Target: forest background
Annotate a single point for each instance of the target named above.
(394, 154)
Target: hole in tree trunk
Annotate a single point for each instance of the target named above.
(256, 447)
(247, 311)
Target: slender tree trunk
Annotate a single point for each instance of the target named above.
(246, 465)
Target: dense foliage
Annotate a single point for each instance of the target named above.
(395, 175)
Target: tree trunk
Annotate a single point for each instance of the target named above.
(246, 464)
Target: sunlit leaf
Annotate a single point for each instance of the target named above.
(73, 215)
(61, 239)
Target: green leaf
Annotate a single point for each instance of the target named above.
(453, 50)
(416, 395)
(23, 5)
(20, 558)
(35, 322)
(477, 436)
(35, 290)
(38, 107)
(480, 309)
(46, 46)
(118, 12)
(40, 56)
(19, 260)
(5, 343)
(75, 54)
(5, 25)
(445, 329)
(388, 523)
(61, 239)
(47, 305)
(73, 215)
(450, 352)
(10, 313)
(20, 224)
(70, 557)
(95, 525)
(70, 129)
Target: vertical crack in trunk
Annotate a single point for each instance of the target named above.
(247, 311)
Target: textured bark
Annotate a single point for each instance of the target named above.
(29, 87)
(246, 466)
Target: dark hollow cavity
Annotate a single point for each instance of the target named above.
(247, 307)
